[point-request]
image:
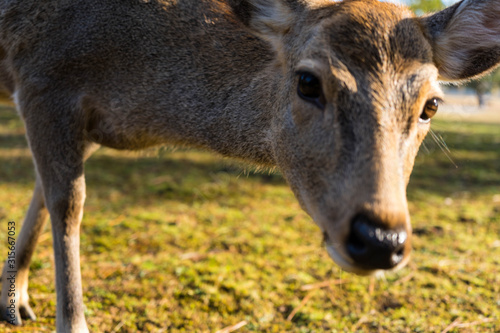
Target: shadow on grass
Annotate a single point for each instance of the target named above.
(9, 141)
(472, 163)
(163, 177)
(475, 149)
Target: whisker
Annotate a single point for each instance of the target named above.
(442, 145)
(425, 147)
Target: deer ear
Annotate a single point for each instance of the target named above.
(269, 19)
(465, 39)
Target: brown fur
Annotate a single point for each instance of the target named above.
(221, 75)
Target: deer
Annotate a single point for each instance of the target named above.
(338, 96)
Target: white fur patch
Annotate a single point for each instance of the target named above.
(272, 17)
(271, 21)
(17, 102)
(15, 98)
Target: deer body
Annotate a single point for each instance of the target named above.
(183, 82)
(336, 95)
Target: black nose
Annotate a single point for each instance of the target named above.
(373, 247)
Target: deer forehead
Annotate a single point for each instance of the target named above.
(367, 36)
(371, 46)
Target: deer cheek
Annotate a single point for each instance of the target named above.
(302, 114)
(411, 154)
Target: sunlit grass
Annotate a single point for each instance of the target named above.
(184, 241)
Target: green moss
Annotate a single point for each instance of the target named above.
(183, 241)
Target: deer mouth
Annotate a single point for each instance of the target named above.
(367, 249)
(339, 256)
(364, 239)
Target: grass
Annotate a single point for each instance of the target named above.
(184, 241)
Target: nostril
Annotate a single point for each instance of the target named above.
(356, 245)
(373, 247)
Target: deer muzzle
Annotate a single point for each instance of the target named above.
(373, 247)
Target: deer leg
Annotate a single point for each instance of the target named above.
(65, 204)
(56, 140)
(14, 300)
(64, 188)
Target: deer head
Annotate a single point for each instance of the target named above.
(358, 85)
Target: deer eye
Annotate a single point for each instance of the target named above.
(309, 89)
(430, 109)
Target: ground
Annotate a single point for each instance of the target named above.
(184, 241)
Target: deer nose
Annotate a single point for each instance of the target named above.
(373, 247)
